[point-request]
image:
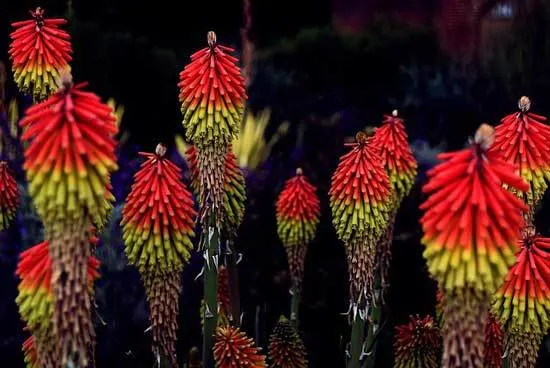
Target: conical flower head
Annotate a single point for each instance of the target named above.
(471, 224)
(286, 349)
(35, 297)
(39, 51)
(234, 195)
(9, 196)
(393, 148)
(297, 211)
(212, 94)
(158, 219)
(523, 139)
(494, 344)
(30, 353)
(233, 349)
(70, 153)
(522, 304)
(417, 343)
(360, 193)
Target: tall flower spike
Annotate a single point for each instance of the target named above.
(417, 343)
(360, 199)
(233, 349)
(212, 94)
(286, 349)
(35, 299)
(158, 223)
(39, 51)
(471, 226)
(523, 139)
(70, 154)
(390, 140)
(522, 304)
(9, 195)
(494, 344)
(298, 212)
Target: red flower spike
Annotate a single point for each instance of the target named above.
(494, 344)
(523, 139)
(522, 304)
(390, 140)
(233, 349)
(70, 153)
(360, 199)
(298, 211)
(29, 351)
(158, 218)
(39, 51)
(9, 196)
(417, 343)
(286, 349)
(360, 194)
(35, 299)
(470, 223)
(234, 195)
(212, 94)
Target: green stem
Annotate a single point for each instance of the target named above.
(211, 240)
(70, 10)
(357, 336)
(375, 318)
(294, 305)
(233, 280)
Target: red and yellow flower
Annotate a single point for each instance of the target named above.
(390, 140)
(212, 94)
(233, 349)
(360, 199)
(471, 225)
(9, 196)
(29, 351)
(158, 223)
(523, 139)
(70, 154)
(39, 51)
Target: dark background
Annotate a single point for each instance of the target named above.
(328, 84)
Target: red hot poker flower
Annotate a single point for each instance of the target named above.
(70, 154)
(522, 304)
(233, 349)
(471, 224)
(39, 51)
(523, 139)
(9, 195)
(297, 211)
(212, 93)
(158, 219)
(393, 148)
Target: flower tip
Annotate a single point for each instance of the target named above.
(211, 37)
(299, 171)
(65, 79)
(394, 113)
(524, 103)
(160, 150)
(361, 137)
(485, 135)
